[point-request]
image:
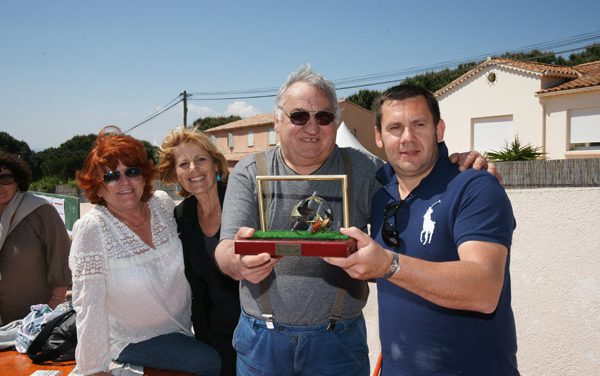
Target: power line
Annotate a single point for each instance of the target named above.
(382, 78)
(232, 98)
(159, 111)
(398, 74)
(414, 72)
(576, 39)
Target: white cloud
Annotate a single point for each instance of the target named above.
(241, 109)
(195, 112)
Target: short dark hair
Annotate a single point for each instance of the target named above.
(405, 91)
(18, 167)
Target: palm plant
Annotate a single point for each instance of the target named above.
(515, 152)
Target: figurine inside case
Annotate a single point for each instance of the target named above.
(310, 222)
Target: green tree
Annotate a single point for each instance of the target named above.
(515, 152)
(433, 81)
(64, 161)
(591, 53)
(211, 122)
(151, 151)
(11, 145)
(364, 98)
(546, 57)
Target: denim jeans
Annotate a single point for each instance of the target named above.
(175, 352)
(301, 350)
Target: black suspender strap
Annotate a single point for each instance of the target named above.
(262, 169)
(265, 303)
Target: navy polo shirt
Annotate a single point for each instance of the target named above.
(446, 209)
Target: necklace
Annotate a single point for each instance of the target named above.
(133, 225)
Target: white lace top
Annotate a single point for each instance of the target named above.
(124, 291)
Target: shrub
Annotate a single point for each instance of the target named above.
(515, 152)
(46, 184)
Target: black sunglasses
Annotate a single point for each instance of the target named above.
(130, 172)
(6, 179)
(389, 234)
(301, 117)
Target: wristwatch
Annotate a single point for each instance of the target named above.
(394, 266)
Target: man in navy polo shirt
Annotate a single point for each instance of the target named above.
(439, 250)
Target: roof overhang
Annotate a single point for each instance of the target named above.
(567, 91)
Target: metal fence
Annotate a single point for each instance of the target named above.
(551, 173)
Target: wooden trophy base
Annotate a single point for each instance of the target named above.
(296, 243)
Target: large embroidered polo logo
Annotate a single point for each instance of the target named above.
(428, 225)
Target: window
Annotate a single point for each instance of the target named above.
(213, 139)
(272, 136)
(492, 133)
(585, 129)
(230, 140)
(250, 138)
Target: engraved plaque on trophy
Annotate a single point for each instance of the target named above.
(310, 221)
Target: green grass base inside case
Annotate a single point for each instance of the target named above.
(305, 235)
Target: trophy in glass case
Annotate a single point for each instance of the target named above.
(310, 222)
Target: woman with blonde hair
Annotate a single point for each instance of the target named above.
(190, 159)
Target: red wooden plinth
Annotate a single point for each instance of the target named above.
(295, 247)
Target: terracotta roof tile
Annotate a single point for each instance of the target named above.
(251, 121)
(589, 76)
(545, 70)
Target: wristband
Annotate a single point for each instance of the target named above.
(394, 266)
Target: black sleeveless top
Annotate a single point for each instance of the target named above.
(215, 296)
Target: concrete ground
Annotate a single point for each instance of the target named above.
(372, 322)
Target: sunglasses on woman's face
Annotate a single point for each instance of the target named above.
(114, 176)
(389, 234)
(6, 179)
(300, 118)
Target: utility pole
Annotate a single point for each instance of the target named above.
(185, 108)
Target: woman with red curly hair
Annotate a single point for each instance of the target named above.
(129, 289)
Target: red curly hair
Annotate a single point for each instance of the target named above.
(110, 148)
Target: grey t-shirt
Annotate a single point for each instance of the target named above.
(302, 290)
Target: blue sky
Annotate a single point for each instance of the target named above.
(72, 67)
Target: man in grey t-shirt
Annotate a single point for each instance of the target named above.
(311, 322)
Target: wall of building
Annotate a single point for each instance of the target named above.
(556, 280)
(512, 93)
(361, 122)
(557, 122)
(240, 142)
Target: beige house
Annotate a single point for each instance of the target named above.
(246, 136)
(555, 108)
(257, 133)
